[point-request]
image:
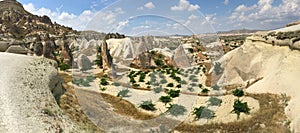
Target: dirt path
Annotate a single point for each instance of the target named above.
(8, 105)
(102, 115)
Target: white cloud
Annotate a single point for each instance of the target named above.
(185, 5)
(226, 2)
(263, 13)
(64, 18)
(193, 17)
(122, 24)
(149, 5)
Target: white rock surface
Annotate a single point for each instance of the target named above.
(278, 66)
(25, 96)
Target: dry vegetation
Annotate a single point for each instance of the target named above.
(125, 108)
(270, 118)
(69, 104)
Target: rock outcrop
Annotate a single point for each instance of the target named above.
(180, 58)
(18, 23)
(289, 36)
(106, 57)
(267, 63)
(84, 63)
(27, 103)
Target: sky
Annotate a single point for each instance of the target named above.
(136, 17)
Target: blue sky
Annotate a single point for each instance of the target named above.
(167, 16)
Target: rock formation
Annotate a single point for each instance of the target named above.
(267, 63)
(106, 57)
(84, 63)
(180, 58)
(27, 104)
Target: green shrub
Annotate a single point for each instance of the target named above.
(176, 110)
(213, 101)
(191, 89)
(183, 82)
(148, 105)
(192, 77)
(81, 82)
(103, 88)
(132, 80)
(203, 112)
(204, 70)
(193, 84)
(200, 86)
(157, 89)
(240, 107)
(90, 78)
(163, 81)
(160, 56)
(85, 83)
(215, 87)
(77, 81)
(123, 93)
(170, 85)
(142, 77)
(178, 86)
(195, 80)
(116, 84)
(159, 62)
(135, 85)
(205, 90)
(103, 82)
(177, 79)
(64, 67)
(191, 50)
(174, 93)
(155, 83)
(165, 99)
(98, 61)
(238, 93)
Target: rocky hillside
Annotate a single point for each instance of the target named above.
(24, 33)
(17, 23)
(268, 62)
